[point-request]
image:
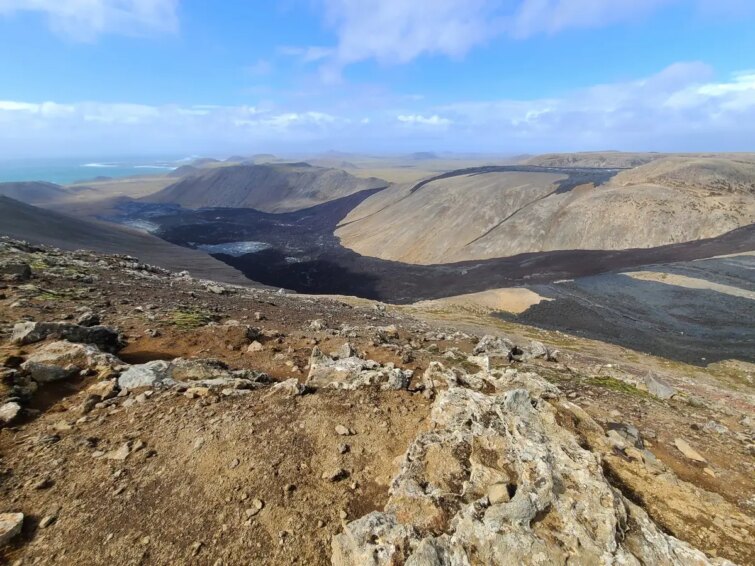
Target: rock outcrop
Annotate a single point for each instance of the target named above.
(207, 373)
(498, 480)
(353, 372)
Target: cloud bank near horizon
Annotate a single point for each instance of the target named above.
(680, 108)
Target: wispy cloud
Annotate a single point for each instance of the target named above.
(680, 108)
(85, 20)
(421, 120)
(398, 31)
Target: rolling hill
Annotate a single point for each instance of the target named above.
(267, 187)
(484, 214)
(40, 226)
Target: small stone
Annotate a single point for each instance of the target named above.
(47, 521)
(195, 548)
(144, 540)
(320, 524)
(498, 493)
(342, 430)
(335, 475)
(254, 347)
(120, 453)
(343, 448)
(44, 483)
(9, 412)
(343, 514)
(688, 451)
(710, 472)
(234, 463)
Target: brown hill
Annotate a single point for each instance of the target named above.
(267, 187)
(40, 226)
(483, 215)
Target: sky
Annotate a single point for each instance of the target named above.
(143, 77)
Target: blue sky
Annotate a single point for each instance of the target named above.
(109, 77)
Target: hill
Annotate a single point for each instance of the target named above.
(266, 187)
(37, 225)
(35, 192)
(487, 212)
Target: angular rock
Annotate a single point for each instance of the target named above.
(10, 526)
(105, 338)
(659, 388)
(255, 346)
(61, 359)
(105, 389)
(9, 412)
(88, 319)
(152, 374)
(489, 344)
(354, 373)
(688, 451)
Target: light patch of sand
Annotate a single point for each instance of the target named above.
(691, 283)
(512, 299)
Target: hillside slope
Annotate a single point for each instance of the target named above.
(211, 425)
(36, 192)
(266, 187)
(499, 214)
(26, 222)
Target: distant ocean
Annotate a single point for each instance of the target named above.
(67, 171)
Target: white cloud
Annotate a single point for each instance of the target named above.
(398, 31)
(85, 20)
(680, 108)
(433, 120)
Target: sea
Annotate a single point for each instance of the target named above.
(68, 171)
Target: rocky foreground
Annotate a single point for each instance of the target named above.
(151, 418)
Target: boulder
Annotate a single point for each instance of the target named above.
(105, 338)
(15, 271)
(489, 344)
(659, 388)
(10, 526)
(60, 360)
(353, 373)
(152, 374)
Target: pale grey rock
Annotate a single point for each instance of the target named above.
(659, 388)
(484, 483)
(152, 374)
(9, 412)
(489, 344)
(10, 526)
(354, 373)
(61, 359)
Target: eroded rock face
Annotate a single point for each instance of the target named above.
(497, 480)
(105, 338)
(353, 373)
